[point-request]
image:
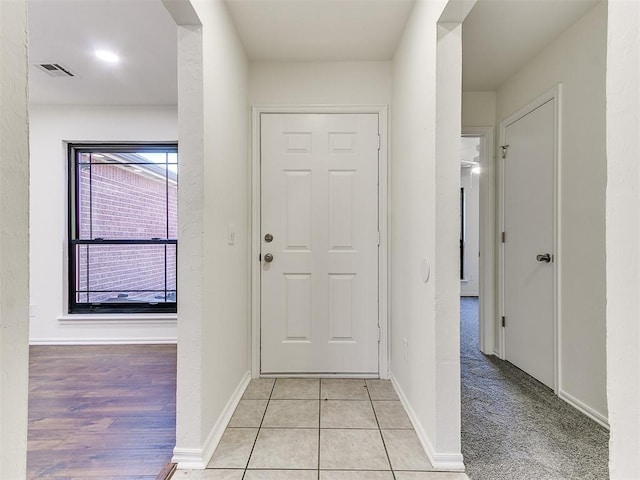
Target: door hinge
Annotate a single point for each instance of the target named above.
(378, 333)
(378, 238)
(259, 257)
(379, 141)
(504, 150)
(504, 321)
(504, 237)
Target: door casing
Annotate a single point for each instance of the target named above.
(383, 200)
(487, 232)
(553, 94)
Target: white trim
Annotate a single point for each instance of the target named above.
(440, 461)
(552, 95)
(105, 341)
(199, 458)
(584, 408)
(320, 375)
(118, 319)
(487, 237)
(383, 217)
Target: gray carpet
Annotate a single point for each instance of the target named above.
(514, 427)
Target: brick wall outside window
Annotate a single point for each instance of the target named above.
(126, 202)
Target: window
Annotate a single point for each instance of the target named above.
(123, 228)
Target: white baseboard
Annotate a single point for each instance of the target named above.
(104, 341)
(199, 458)
(451, 462)
(582, 407)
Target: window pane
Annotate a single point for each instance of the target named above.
(125, 201)
(126, 273)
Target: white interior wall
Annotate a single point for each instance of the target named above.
(623, 238)
(320, 83)
(469, 286)
(576, 60)
(424, 329)
(14, 239)
(50, 128)
(213, 332)
(478, 109)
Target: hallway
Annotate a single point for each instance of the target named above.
(515, 427)
(326, 429)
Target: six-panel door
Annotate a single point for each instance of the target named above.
(319, 204)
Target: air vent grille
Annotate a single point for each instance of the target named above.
(54, 70)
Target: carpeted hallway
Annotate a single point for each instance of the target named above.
(514, 427)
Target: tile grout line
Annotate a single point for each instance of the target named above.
(393, 473)
(319, 421)
(259, 428)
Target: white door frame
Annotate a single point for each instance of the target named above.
(553, 94)
(383, 200)
(487, 291)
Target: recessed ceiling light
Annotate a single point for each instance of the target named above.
(107, 56)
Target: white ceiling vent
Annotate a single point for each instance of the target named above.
(54, 70)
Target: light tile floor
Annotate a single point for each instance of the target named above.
(320, 429)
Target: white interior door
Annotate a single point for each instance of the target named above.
(529, 288)
(319, 205)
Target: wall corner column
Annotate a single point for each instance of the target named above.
(623, 237)
(189, 411)
(14, 239)
(447, 282)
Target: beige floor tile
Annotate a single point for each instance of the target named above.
(343, 389)
(281, 475)
(208, 474)
(248, 413)
(234, 448)
(346, 414)
(352, 450)
(405, 450)
(354, 475)
(381, 390)
(292, 414)
(391, 414)
(431, 476)
(259, 389)
(279, 448)
(296, 389)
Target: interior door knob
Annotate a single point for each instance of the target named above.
(545, 257)
(268, 258)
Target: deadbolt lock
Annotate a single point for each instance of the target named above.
(268, 238)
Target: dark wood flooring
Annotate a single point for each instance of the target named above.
(101, 412)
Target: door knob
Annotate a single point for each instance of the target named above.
(268, 238)
(545, 257)
(268, 258)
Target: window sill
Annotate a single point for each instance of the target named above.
(118, 319)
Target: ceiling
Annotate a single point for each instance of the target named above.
(499, 37)
(320, 30)
(67, 32)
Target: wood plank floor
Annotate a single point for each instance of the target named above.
(101, 412)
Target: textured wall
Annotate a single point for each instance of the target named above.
(14, 239)
(623, 238)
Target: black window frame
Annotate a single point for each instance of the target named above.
(74, 306)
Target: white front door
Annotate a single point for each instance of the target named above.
(529, 286)
(319, 243)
